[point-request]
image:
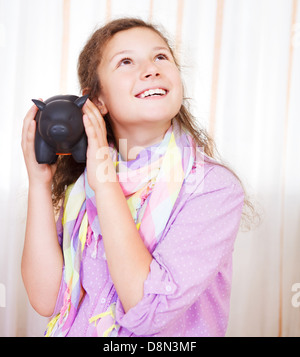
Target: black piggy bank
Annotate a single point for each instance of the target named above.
(60, 129)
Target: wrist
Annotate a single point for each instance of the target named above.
(106, 190)
(105, 175)
(36, 185)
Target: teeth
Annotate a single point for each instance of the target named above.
(150, 92)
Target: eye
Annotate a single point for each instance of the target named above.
(161, 57)
(125, 61)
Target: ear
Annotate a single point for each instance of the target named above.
(80, 101)
(101, 106)
(86, 91)
(41, 105)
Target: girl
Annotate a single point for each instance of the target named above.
(143, 243)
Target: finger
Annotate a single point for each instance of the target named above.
(92, 109)
(93, 143)
(95, 119)
(27, 120)
(90, 105)
(93, 113)
(30, 140)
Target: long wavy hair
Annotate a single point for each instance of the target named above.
(68, 170)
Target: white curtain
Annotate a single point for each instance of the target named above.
(241, 68)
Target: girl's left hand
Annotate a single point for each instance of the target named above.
(99, 164)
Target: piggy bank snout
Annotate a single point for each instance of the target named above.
(59, 131)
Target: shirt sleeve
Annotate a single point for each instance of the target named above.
(197, 244)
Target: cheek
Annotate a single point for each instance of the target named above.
(113, 91)
(179, 93)
(177, 82)
(116, 106)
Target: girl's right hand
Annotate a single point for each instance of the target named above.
(37, 173)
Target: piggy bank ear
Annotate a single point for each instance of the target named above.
(41, 105)
(80, 101)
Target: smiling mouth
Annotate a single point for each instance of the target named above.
(158, 92)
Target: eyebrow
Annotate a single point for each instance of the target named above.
(120, 53)
(157, 48)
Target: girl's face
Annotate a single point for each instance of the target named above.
(140, 82)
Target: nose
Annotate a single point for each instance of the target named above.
(150, 71)
(59, 130)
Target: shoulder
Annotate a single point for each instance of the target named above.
(208, 176)
(211, 191)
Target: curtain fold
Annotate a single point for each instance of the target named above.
(241, 68)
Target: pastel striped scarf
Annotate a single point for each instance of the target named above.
(151, 184)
